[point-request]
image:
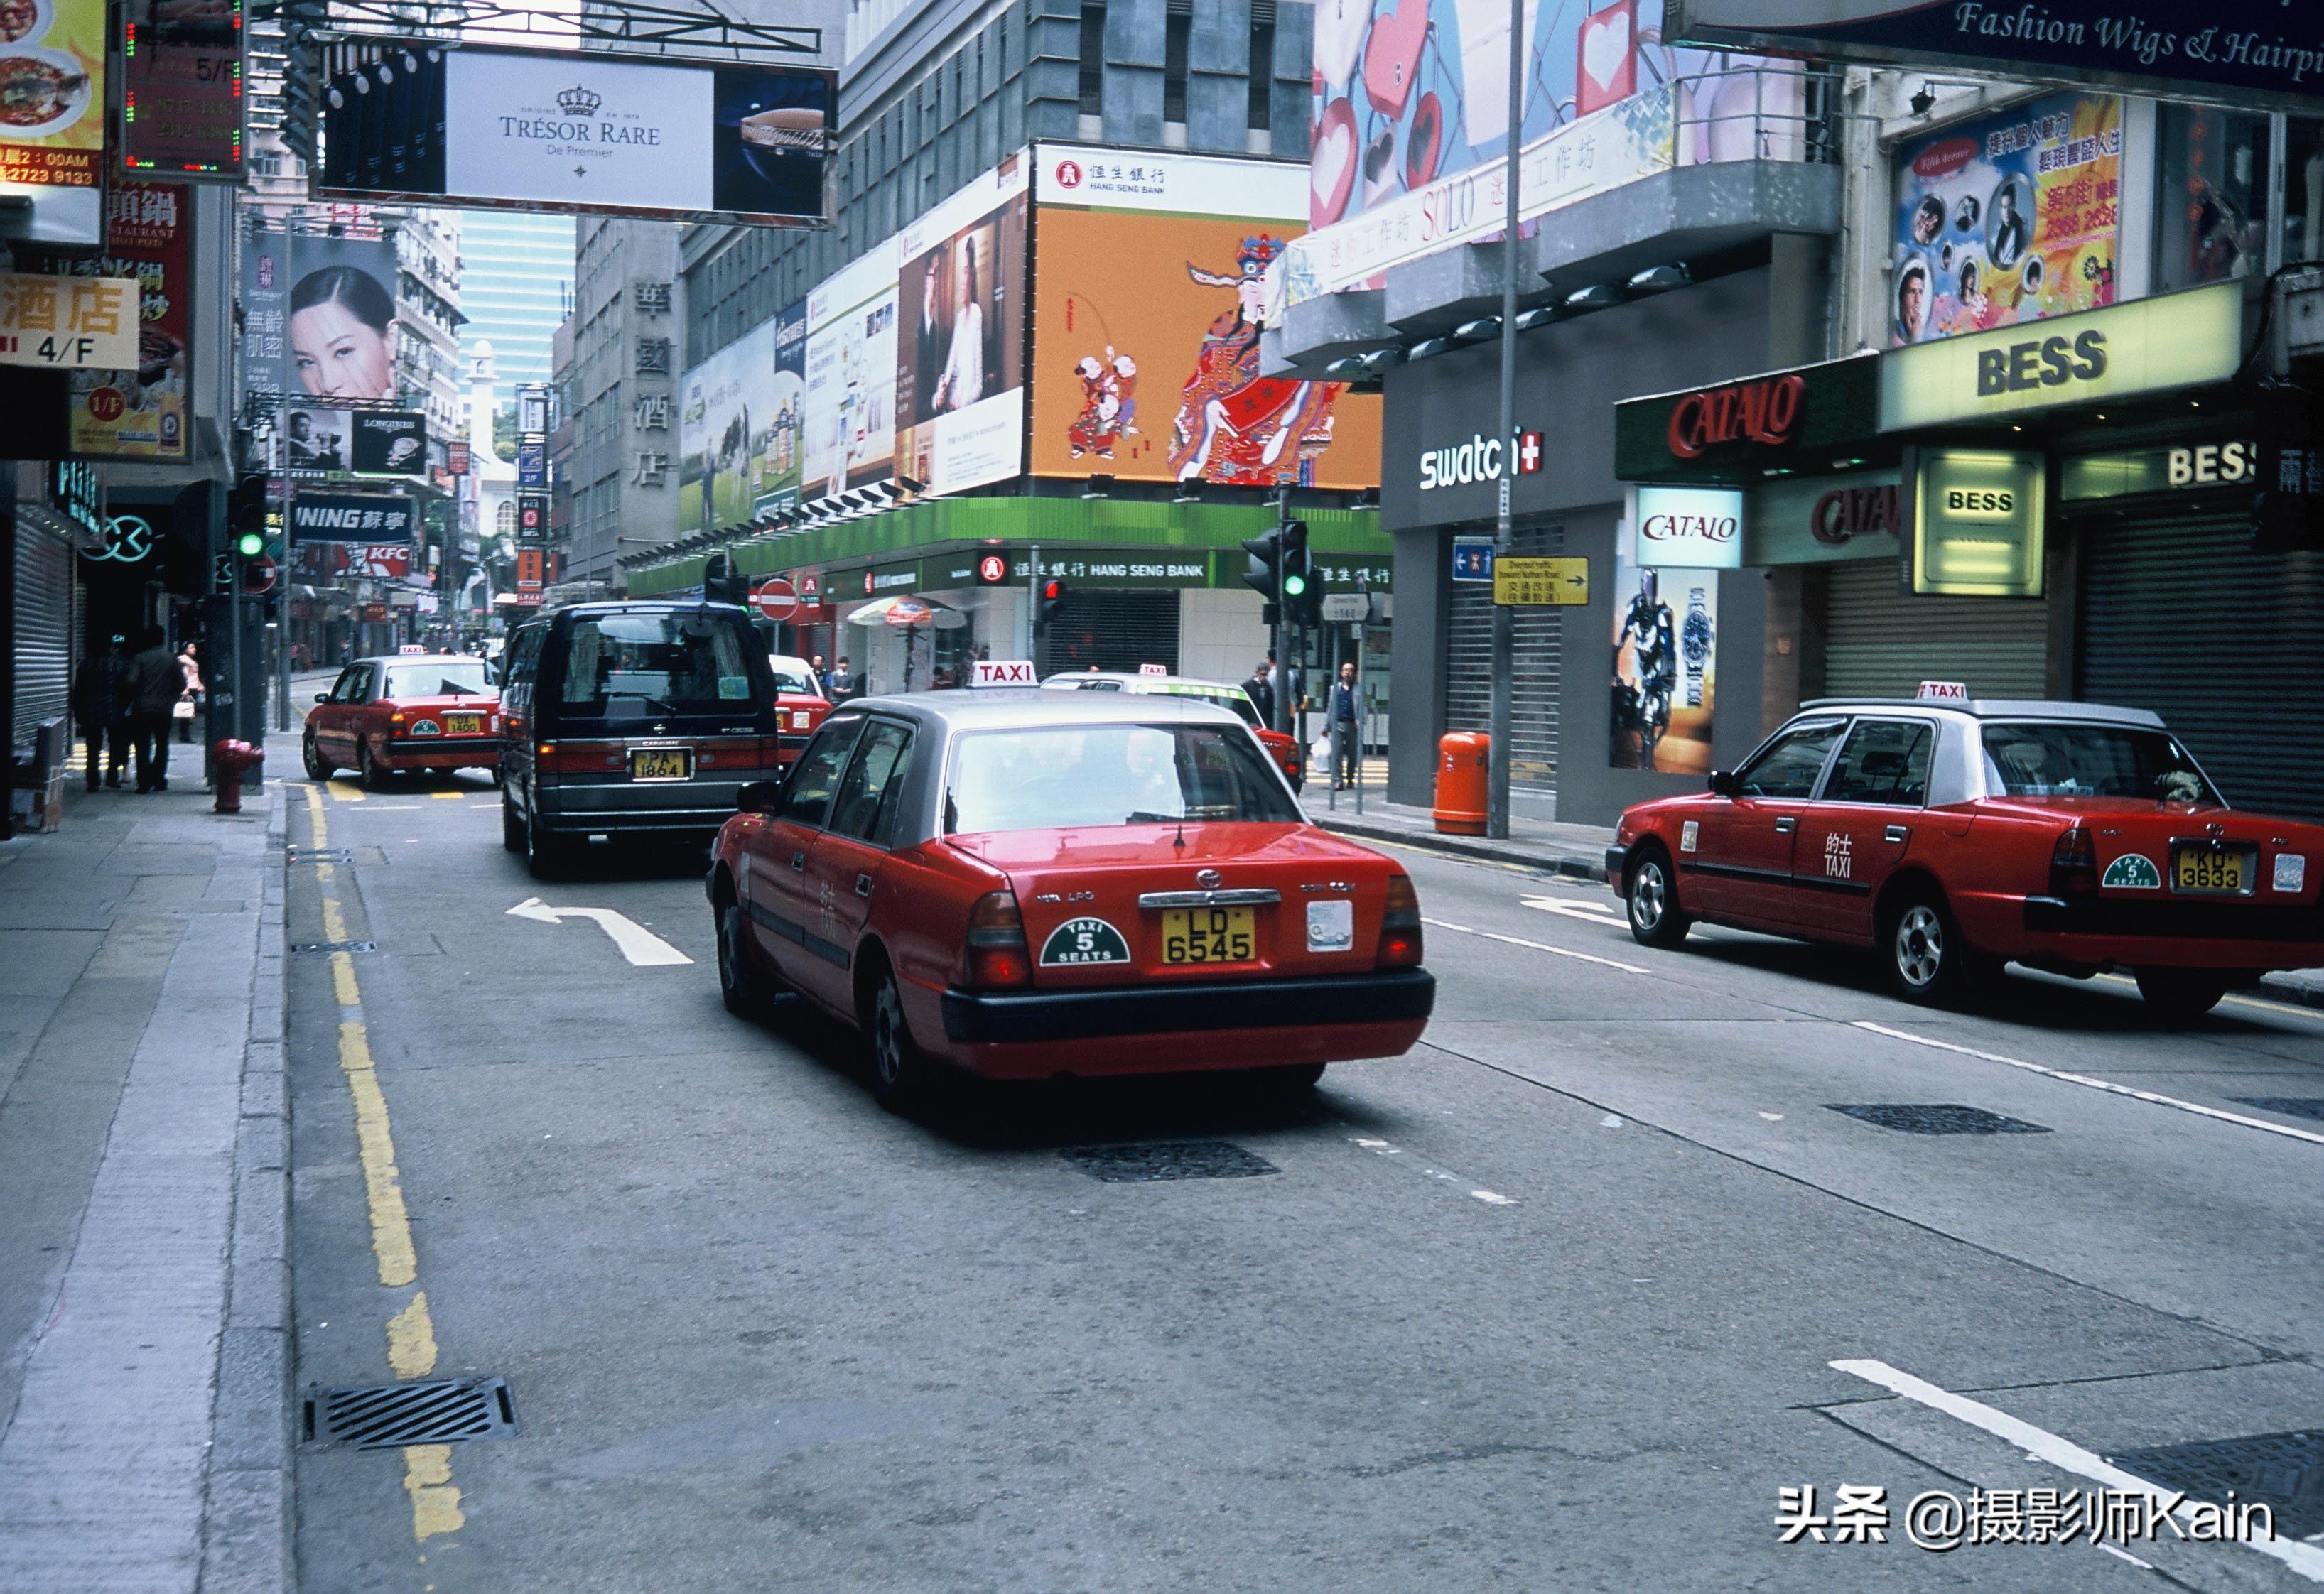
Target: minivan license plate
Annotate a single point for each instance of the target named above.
(1209, 936)
(661, 763)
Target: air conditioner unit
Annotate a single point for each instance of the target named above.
(2298, 320)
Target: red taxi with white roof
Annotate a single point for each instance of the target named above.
(404, 712)
(799, 704)
(1283, 748)
(1030, 884)
(1956, 835)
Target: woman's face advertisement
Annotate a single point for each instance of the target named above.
(339, 356)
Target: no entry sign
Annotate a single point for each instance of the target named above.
(777, 599)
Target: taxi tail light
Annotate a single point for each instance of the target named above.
(996, 953)
(2074, 864)
(1399, 936)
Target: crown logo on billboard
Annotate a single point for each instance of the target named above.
(577, 101)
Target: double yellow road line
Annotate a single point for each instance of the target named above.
(410, 1333)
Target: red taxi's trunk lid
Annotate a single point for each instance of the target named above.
(1117, 904)
(444, 715)
(2169, 851)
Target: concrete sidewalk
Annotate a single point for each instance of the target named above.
(1578, 852)
(144, 1298)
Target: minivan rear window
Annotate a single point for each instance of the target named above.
(640, 666)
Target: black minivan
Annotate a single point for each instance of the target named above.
(628, 718)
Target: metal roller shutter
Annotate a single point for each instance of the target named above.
(1880, 642)
(1112, 630)
(43, 627)
(1533, 685)
(2181, 617)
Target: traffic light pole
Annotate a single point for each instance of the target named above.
(1497, 769)
(1282, 701)
(1033, 606)
(282, 608)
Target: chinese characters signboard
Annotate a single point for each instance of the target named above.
(77, 322)
(181, 88)
(137, 410)
(52, 128)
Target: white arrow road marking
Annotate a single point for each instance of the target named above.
(1589, 913)
(640, 945)
(2042, 1445)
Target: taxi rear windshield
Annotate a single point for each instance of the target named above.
(2038, 758)
(457, 679)
(634, 667)
(1049, 778)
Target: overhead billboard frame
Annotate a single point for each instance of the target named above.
(406, 119)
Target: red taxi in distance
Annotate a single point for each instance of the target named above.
(1030, 884)
(1283, 748)
(389, 716)
(1955, 836)
(799, 704)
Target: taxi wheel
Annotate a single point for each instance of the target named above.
(1289, 1084)
(900, 1072)
(2180, 994)
(374, 779)
(312, 757)
(1927, 960)
(1652, 898)
(740, 985)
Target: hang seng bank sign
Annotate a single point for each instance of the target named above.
(2241, 51)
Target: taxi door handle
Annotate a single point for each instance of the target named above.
(1898, 832)
(799, 861)
(1785, 826)
(862, 885)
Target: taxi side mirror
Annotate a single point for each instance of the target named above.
(322, 697)
(760, 796)
(1723, 783)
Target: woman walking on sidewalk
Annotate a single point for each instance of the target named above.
(190, 702)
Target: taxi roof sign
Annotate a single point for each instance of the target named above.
(1943, 692)
(1153, 669)
(1005, 672)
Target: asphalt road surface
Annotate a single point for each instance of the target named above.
(1554, 1301)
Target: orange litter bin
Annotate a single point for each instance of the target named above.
(1460, 760)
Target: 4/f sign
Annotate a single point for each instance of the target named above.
(69, 323)
(1560, 583)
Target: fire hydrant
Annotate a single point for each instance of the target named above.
(228, 759)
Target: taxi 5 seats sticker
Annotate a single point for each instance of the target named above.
(2133, 871)
(1083, 941)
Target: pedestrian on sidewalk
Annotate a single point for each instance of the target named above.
(1347, 733)
(156, 680)
(100, 704)
(1262, 693)
(842, 685)
(190, 702)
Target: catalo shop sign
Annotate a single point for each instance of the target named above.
(1736, 430)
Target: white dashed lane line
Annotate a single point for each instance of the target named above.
(1382, 1148)
(1587, 957)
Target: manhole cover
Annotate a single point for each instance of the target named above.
(1937, 1118)
(2281, 1470)
(2289, 1106)
(1170, 1159)
(336, 946)
(437, 1411)
(328, 855)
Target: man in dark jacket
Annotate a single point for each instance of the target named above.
(1262, 693)
(100, 703)
(157, 680)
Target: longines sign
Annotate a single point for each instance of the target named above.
(2241, 51)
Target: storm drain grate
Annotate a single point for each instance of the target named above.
(1937, 1118)
(326, 855)
(336, 946)
(2289, 1106)
(1168, 1159)
(2284, 1471)
(438, 1411)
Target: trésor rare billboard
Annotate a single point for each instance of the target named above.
(435, 123)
